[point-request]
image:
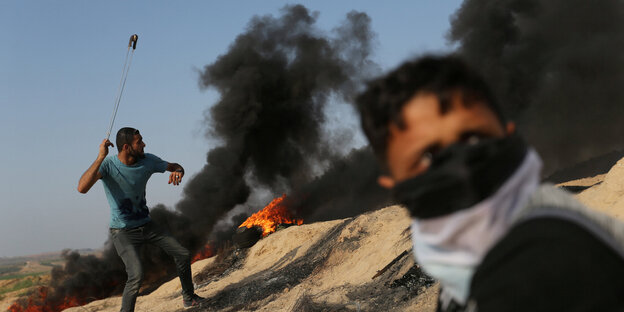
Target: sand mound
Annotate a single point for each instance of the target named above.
(329, 266)
(324, 266)
(607, 196)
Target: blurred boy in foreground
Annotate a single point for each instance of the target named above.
(483, 225)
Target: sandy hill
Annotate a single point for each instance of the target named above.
(326, 266)
(329, 266)
(603, 192)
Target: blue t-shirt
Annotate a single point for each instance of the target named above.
(125, 189)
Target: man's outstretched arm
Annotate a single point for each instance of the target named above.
(177, 172)
(93, 173)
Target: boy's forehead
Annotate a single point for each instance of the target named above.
(424, 118)
(420, 111)
(426, 107)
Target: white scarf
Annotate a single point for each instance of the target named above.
(450, 247)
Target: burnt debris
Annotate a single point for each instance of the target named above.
(401, 282)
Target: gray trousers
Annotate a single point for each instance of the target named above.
(128, 244)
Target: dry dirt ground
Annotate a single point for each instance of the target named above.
(329, 266)
(607, 195)
(603, 192)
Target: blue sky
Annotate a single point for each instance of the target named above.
(60, 64)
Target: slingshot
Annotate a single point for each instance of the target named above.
(122, 83)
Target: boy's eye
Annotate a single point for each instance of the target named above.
(426, 159)
(427, 156)
(471, 138)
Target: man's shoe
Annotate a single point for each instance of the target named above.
(195, 301)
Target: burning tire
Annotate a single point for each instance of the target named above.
(246, 237)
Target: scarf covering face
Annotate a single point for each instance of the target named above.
(461, 176)
(450, 245)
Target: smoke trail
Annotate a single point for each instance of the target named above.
(557, 68)
(275, 82)
(348, 188)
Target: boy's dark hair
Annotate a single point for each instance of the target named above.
(125, 136)
(381, 103)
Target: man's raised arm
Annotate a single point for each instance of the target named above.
(93, 173)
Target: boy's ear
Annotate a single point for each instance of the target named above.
(386, 181)
(510, 127)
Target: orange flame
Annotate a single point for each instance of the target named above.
(273, 214)
(206, 252)
(38, 302)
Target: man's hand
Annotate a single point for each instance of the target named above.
(176, 177)
(104, 148)
(177, 172)
(93, 173)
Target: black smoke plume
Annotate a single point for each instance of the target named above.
(348, 188)
(275, 83)
(557, 67)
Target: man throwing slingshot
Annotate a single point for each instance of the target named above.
(124, 177)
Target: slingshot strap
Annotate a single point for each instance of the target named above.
(122, 81)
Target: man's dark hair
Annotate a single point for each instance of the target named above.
(125, 136)
(381, 103)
